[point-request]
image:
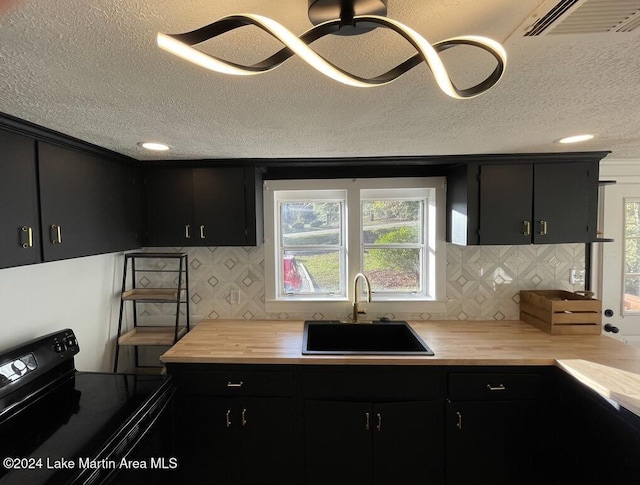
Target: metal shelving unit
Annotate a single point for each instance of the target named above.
(152, 335)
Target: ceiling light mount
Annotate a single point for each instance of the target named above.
(182, 46)
(321, 11)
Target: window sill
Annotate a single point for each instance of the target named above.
(376, 309)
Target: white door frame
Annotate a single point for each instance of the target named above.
(626, 174)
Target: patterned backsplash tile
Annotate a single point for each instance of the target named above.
(483, 282)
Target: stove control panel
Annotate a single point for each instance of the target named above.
(24, 363)
(64, 343)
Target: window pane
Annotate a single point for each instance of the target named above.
(310, 223)
(393, 269)
(632, 257)
(632, 294)
(309, 272)
(391, 221)
(632, 219)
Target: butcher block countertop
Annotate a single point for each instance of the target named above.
(609, 367)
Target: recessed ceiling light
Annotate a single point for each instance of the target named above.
(576, 138)
(157, 147)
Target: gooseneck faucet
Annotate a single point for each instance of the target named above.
(357, 311)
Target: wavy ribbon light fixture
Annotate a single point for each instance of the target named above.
(346, 23)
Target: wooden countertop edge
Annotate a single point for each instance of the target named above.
(616, 378)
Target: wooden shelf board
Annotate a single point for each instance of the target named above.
(151, 336)
(155, 294)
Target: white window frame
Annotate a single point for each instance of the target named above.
(432, 301)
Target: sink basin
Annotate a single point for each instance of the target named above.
(377, 338)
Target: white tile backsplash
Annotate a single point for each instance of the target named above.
(482, 282)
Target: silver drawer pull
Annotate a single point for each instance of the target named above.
(234, 384)
(366, 421)
(228, 416)
(496, 388)
(459, 423)
(244, 417)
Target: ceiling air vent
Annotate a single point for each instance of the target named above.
(586, 17)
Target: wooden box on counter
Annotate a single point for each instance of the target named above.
(561, 312)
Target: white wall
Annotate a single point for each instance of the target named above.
(81, 294)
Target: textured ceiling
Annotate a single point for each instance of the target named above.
(91, 69)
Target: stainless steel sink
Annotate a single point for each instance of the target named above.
(377, 338)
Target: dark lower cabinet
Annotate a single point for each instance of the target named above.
(492, 443)
(408, 439)
(235, 441)
(494, 426)
(596, 440)
(235, 425)
(19, 221)
(338, 442)
(362, 425)
(380, 443)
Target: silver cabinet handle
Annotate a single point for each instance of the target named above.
(187, 231)
(234, 384)
(527, 228)
(201, 232)
(29, 242)
(244, 420)
(543, 228)
(379, 425)
(57, 234)
(366, 421)
(499, 387)
(459, 423)
(228, 416)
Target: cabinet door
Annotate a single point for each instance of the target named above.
(208, 437)
(564, 202)
(267, 454)
(170, 207)
(506, 198)
(19, 224)
(598, 441)
(338, 442)
(491, 442)
(408, 445)
(219, 206)
(83, 200)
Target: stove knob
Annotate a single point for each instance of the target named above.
(71, 341)
(59, 347)
(18, 367)
(30, 362)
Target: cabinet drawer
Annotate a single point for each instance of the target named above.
(494, 386)
(235, 383)
(375, 385)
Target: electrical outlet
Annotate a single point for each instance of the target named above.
(234, 296)
(576, 276)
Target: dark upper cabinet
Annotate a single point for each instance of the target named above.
(523, 203)
(19, 223)
(204, 207)
(85, 200)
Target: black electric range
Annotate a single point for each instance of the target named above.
(62, 426)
